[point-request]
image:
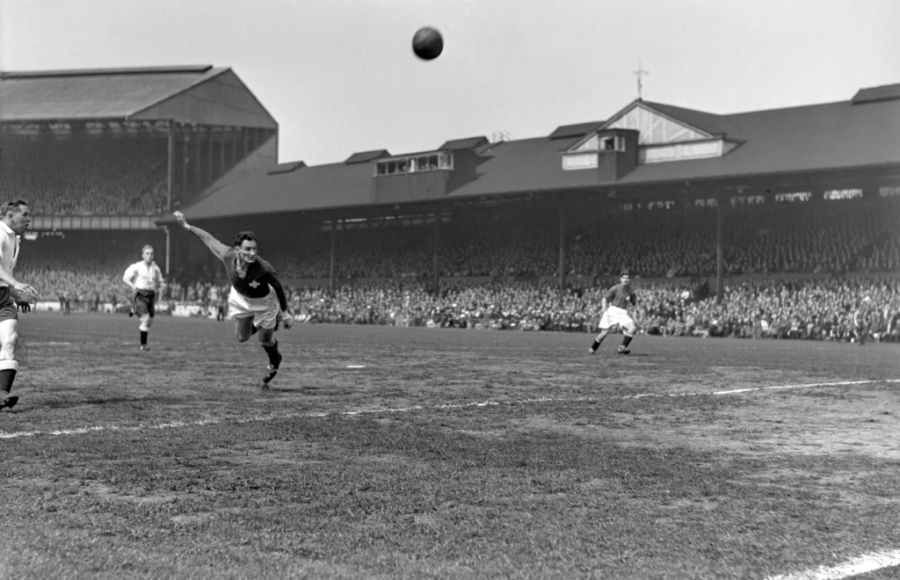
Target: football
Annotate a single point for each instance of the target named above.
(427, 43)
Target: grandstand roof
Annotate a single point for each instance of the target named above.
(797, 140)
(467, 143)
(576, 130)
(310, 188)
(193, 94)
(709, 123)
(826, 137)
(883, 92)
(367, 156)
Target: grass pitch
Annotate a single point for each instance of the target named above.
(423, 453)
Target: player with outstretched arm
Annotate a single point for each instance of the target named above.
(257, 301)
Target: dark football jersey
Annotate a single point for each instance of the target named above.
(620, 295)
(255, 282)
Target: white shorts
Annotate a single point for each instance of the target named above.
(264, 311)
(615, 316)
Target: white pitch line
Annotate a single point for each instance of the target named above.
(859, 565)
(442, 406)
(803, 386)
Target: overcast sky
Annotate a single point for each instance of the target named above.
(339, 75)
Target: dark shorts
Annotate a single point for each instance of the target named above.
(144, 302)
(8, 308)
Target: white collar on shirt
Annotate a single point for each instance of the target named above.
(7, 229)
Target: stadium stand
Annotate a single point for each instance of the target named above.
(89, 177)
(736, 225)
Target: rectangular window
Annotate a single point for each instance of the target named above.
(612, 143)
(747, 200)
(415, 163)
(853, 193)
(581, 161)
(795, 196)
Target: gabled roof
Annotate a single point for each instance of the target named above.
(287, 167)
(467, 143)
(709, 123)
(147, 93)
(882, 93)
(831, 136)
(92, 94)
(576, 130)
(366, 156)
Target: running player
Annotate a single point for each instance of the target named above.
(146, 282)
(615, 313)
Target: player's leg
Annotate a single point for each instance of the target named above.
(141, 308)
(606, 323)
(144, 329)
(268, 320)
(627, 335)
(598, 340)
(9, 337)
(270, 345)
(134, 302)
(244, 328)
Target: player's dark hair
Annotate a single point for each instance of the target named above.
(244, 235)
(12, 206)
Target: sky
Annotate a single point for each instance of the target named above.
(339, 76)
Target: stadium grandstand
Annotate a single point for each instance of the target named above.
(101, 154)
(694, 203)
(654, 187)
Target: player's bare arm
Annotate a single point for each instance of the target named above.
(20, 290)
(215, 246)
(287, 317)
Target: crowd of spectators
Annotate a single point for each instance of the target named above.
(839, 309)
(88, 177)
(821, 237)
(792, 271)
(845, 308)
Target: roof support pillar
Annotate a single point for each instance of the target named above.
(183, 160)
(562, 252)
(170, 167)
(198, 159)
(721, 198)
(331, 256)
(209, 156)
(435, 250)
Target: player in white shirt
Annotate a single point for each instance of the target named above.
(147, 282)
(15, 218)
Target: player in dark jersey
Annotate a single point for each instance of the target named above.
(257, 301)
(864, 318)
(615, 313)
